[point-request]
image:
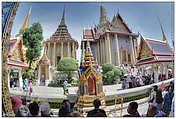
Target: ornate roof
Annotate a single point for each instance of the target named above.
(62, 33)
(11, 46)
(44, 60)
(116, 26)
(15, 49)
(17, 63)
(153, 51)
(159, 47)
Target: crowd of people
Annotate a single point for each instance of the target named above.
(133, 78)
(158, 106)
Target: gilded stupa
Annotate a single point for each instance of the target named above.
(90, 84)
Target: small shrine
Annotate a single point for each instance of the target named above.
(43, 66)
(90, 84)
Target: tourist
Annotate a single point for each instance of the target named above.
(33, 110)
(132, 110)
(156, 99)
(168, 100)
(45, 109)
(65, 109)
(97, 112)
(154, 89)
(125, 82)
(64, 85)
(151, 112)
(129, 82)
(17, 106)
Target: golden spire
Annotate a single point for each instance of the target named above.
(164, 37)
(44, 58)
(88, 55)
(26, 22)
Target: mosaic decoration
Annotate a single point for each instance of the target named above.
(8, 13)
(90, 81)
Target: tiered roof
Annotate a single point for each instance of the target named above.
(44, 60)
(62, 34)
(15, 53)
(116, 26)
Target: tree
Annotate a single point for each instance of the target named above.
(32, 38)
(107, 67)
(111, 74)
(67, 65)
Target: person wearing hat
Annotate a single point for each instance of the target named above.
(16, 106)
(96, 112)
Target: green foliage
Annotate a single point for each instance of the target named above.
(67, 64)
(28, 73)
(108, 77)
(32, 38)
(56, 83)
(107, 67)
(111, 74)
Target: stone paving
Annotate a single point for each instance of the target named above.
(109, 90)
(43, 91)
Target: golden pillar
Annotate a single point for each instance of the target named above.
(126, 56)
(83, 51)
(54, 55)
(98, 53)
(117, 50)
(46, 73)
(112, 55)
(48, 50)
(68, 47)
(101, 45)
(61, 50)
(103, 51)
(133, 55)
(109, 49)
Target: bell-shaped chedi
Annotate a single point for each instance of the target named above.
(90, 81)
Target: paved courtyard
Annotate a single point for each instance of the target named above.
(50, 92)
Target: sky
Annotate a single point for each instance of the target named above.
(139, 16)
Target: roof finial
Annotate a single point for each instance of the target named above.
(103, 16)
(164, 37)
(26, 22)
(63, 17)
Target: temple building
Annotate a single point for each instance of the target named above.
(59, 45)
(16, 57)
(90, 84)
(156, 54)
(111, 42)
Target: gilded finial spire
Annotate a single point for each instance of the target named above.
(63, 18)
(26, 22)
(103, 16)
(164, 37)
(88, 55)
(88, 49)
